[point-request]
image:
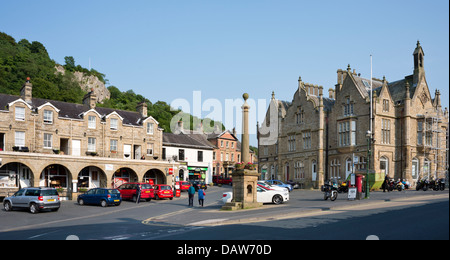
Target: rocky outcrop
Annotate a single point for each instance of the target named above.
(89, 83)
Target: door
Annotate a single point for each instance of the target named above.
(2, 141)
(262, 195)
(287, 171)
(89, 196)
(76, 147)
(314, 171)
(18, 199)
(137, 152)
(348, 167)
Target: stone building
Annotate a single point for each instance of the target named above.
(320, 138)
(195, 157)
(76, 146)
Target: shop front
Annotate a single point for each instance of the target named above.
(197, 173)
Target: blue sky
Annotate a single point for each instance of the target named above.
(167, 49)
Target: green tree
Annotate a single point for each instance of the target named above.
(70, 63)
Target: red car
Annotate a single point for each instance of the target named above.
(217, 179)
(184, 185)
(163, 191)
(128, 191)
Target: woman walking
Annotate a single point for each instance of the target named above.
(201, 196)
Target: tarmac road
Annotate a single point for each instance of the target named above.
(160, 220)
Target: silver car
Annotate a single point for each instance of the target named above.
(34, 199)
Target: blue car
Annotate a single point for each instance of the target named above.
(280, 183)
(100, 196)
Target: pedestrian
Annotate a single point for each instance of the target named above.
(138, 193)
(385, 183)
(191, 193)
(201, 196)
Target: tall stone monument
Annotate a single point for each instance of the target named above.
(244, 180)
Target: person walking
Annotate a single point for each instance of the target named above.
(191, 193)
(138, 193)
(385, 184)
(201, 196)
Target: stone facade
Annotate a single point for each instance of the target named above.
(53, 143)
(320, 138)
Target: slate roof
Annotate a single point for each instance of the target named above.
(182, 140)
(72, 110)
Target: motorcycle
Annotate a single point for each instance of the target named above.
(391, 185)
(439, 184)
(399, 185)
(343, 187)
(330, 190)
(423, 184)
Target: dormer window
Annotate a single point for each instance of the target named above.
(20, 114)
(114, 123)
(149, 128)
(48, 117)
(91, 122)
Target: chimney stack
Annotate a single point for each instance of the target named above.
(90, 99)
(142, 109)
(26, 91)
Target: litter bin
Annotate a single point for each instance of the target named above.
(178, 193)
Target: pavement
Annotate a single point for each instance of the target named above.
(302, 203)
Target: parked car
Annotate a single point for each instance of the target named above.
(294, 184)
(163, 191)
(34, 199)
(269, 186)
(100, 196)
(263, 195)
(217, 179)
(199, 184)
(184, 185)
(128, 191)
(280, 183)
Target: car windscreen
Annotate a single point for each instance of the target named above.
(49, 193)
(113, 191)
(146, 186)
(165, 188)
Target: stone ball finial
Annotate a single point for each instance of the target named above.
(245, 96)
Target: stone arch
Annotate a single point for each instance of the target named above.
(55, 175)
(123, 175)
(92, 177)
(156, 175)
(17, 175)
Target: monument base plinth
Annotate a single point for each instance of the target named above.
(245, 183)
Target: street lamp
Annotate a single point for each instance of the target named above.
(369, 141)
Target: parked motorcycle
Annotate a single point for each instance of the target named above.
(441, 183)
(330, 191)
(422, 184)
(343, 187)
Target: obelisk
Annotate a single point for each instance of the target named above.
(245, 150)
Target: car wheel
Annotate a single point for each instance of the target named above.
(81, 202)
(103, 203)
(33, 208)
(7, 206)
(277, 199)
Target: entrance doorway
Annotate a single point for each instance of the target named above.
(157, 176)
(76, 147)
(2, 141)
